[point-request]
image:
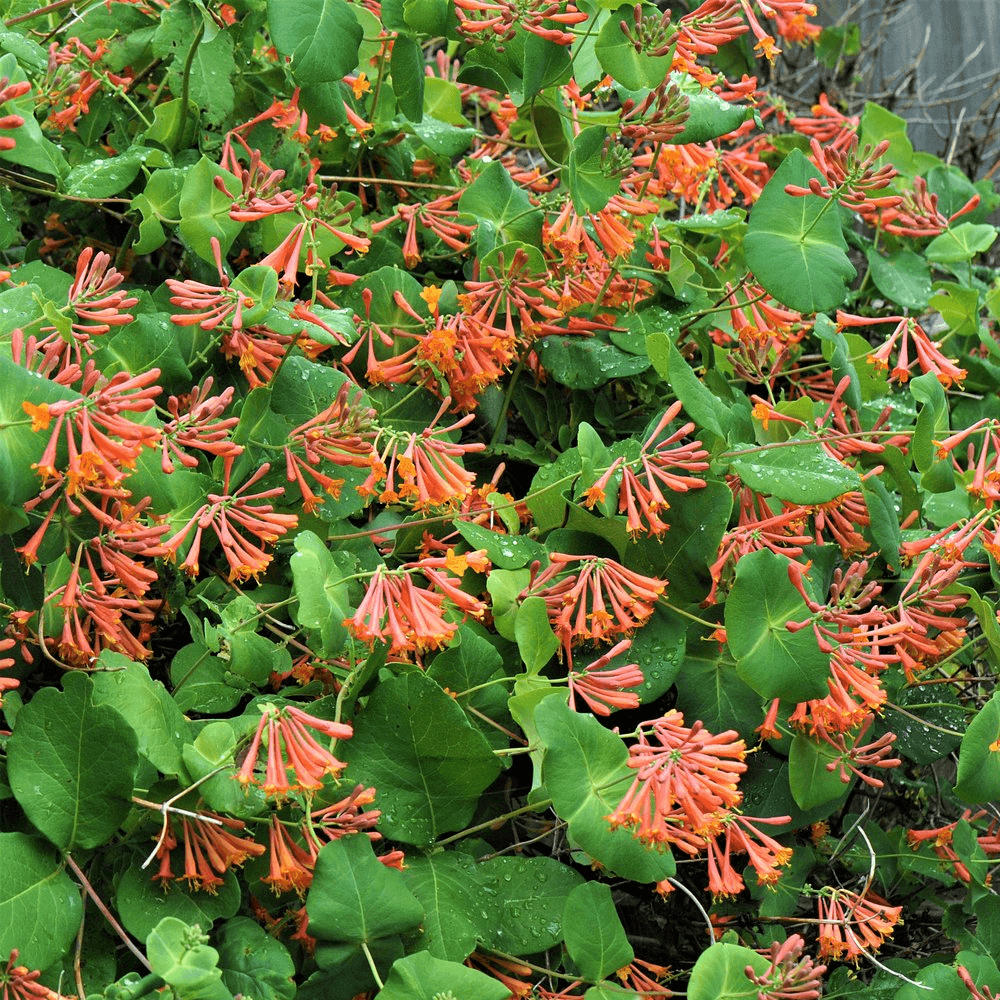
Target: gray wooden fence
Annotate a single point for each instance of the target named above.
(936, 63)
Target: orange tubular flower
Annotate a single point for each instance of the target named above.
(343, 818)
(602, 689)
(195, 425)
(17, 983)
(687, 777)
(7, 683)
(422, 468)
(210, 850)
(790, 974)
(411, 618)
(291, 867)
(224, 514)
(598, 602)
(640, 495)
(907, 331)
(853, 925)
(291, 747)
(503, 17)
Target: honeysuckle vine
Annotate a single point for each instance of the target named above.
(486, 488)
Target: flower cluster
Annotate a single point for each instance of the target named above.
(292, 748)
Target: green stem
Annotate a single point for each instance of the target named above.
(507, 396)
(371, 965)
(188, 63)
(688, 615)
(494, 823)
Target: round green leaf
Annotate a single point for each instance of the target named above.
(979, 756)
(584, 771)
(803, 474)
(595, 938)
(619, 59)
(810, 781)
(321, 37)
(423, 977)
(145, 704)
(40, 907)
(415, 745)
(449, 887)
(253, 963)
(586, 362)
(775, 662)
(530, 897)
(142, 903)
(719, 973)
(356, 899)
(795, 246)
(72, 764)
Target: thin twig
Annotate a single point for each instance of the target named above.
(108, 915)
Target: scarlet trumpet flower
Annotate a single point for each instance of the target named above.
(597, 601)
(685, 778)
(291, 747)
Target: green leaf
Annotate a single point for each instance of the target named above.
(979, 756)
(795, 246)
(719, 973)
(322, 591)
(109, 176)
(415, 745)
(591, 187)
(303, 388)
(585, 772)
(149, 341)
(468, 665)
(174, 127)
(204, 209)
(423, 977)
(902, 277)
(595, 938)
(959, 307)
(961, 243)
(546, 64)
(533, 634)
(203, 681)
(710, 689)
(407, 69)
(141, 903)
(356, 899)
(700, 403)
(504, 551)
(449, 887)
(932, 424)
(32, 149)
(775, 662)
(253, 963)
(811, 783)
(883, 521)
(178, 954)
(502, 210)
(709, 116)
(801, 474)
(527, 910)
(878, 123)
(586, 362)
(321, 37)
(658, 650)
(619, 59)
(147, 707)
(40, 905)
(20, 447)
(72, 765)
